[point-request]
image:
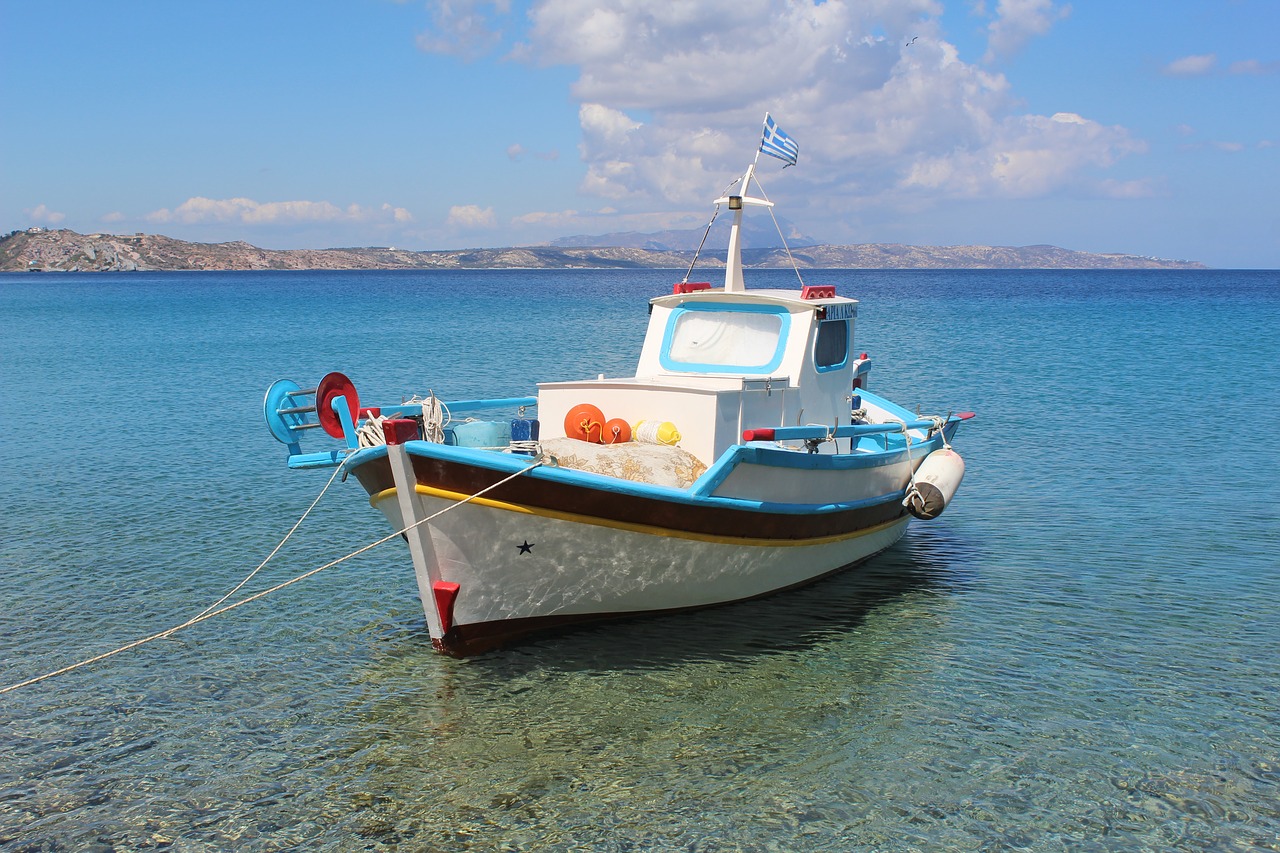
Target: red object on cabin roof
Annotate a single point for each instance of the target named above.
(690, 286)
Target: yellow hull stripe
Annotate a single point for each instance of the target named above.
(649, 529)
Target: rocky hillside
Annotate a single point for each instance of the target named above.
(38, 249)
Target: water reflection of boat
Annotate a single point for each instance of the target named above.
(744, 456)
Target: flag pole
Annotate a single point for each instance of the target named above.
(759, 148)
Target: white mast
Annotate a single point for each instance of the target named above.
(733, 282)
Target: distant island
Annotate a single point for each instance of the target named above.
(49, 250)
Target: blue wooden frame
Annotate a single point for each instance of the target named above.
(671, 364)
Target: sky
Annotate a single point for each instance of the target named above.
(1147, 127)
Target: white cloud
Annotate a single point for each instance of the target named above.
(1018, 21)
(471, 216)
(605, 219)
(516, 152)
(672, 96)
(1024, 157)
(41, 213)
(1253, 66)
(635, 54)
(1192, 66)
(466, 28)
(887, 114)
(397, 214)
(557, 219)
(114, 216)
(1200, 64)
(607, 126)
(199, 210)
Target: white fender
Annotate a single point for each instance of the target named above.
(936, 481)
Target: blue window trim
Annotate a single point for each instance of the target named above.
(847, 347)
(668, 363)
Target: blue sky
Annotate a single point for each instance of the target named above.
(1145, 127)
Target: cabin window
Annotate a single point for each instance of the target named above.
(723, 339)
(831, 350)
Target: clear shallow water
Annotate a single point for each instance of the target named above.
(1079, 655)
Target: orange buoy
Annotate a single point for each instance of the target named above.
(616, 431)
(584, 422)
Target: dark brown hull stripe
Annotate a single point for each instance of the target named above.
(541, 491)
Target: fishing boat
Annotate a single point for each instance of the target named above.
(746, 455)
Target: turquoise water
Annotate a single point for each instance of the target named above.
(1080, 654)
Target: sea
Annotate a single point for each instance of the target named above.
(1081, 654)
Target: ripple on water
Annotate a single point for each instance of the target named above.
(1077, 656)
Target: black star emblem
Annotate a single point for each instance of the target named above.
(525, 547)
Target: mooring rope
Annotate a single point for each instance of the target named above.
(280, 545)
(912, 496)
(209, 613)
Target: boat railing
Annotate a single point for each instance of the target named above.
(808, 433)
(334, 407)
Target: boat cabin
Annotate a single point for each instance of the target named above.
(716, 362)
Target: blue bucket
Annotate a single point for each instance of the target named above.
(482, 434)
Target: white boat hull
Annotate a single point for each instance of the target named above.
(544, 552)
(573, 569)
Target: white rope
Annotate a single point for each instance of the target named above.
(435, 417)
(209, 614)
(939, 423)
(913, 496)
(698, 251)
(812, 444)
(913, 493)
(370, 433)
(526, 447)
(279, 545)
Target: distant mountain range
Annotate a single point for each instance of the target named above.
(755, 234)
(44, 250)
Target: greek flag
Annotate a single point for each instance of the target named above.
(775, 143)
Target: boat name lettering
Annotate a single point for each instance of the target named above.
(841, 311)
